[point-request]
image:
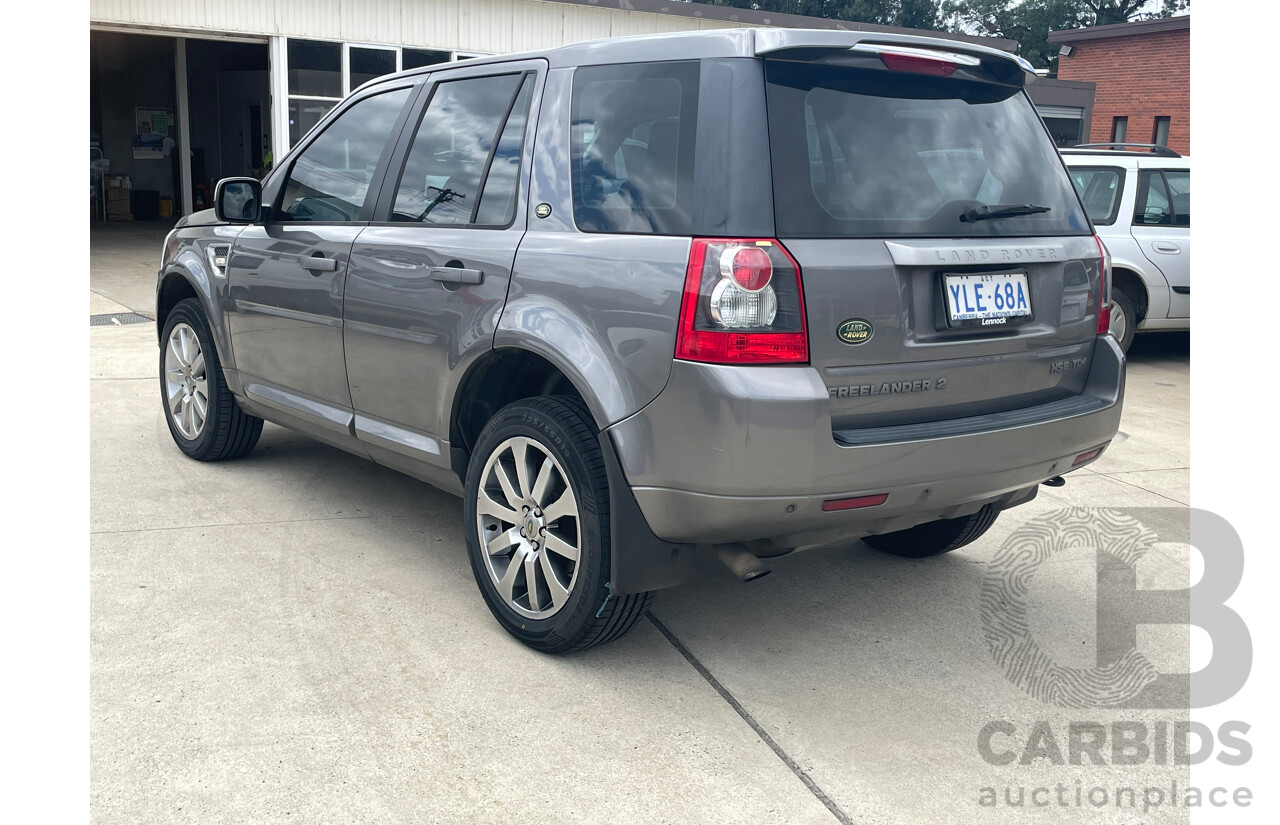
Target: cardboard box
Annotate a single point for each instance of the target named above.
(118, 194)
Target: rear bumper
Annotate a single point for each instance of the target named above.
(699, 456)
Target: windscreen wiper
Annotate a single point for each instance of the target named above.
(1005, 210)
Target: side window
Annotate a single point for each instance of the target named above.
(330, 179)
(632, 147)
(450, 153)
(1179, 182)
(498, 200)
(1100, 191)
(1152, 207)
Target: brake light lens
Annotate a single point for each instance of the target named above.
(743, 304)
(917, 64)
(1104, 289)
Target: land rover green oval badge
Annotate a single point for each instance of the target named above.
(542, 210)
(854, 331)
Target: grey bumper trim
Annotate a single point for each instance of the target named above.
(1066, 408)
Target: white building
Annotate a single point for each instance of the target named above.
(233, 83)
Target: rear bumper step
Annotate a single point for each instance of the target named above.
(1065, 408)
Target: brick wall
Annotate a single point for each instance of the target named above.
(1140, 77)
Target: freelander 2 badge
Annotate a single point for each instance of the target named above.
(854, 331)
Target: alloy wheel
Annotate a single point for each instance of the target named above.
(527, 516)
(186, 382)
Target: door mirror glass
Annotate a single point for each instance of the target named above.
(238, 200)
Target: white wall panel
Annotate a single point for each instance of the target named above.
(470, 25)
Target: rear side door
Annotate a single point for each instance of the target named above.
(1162, 228)
(428, 277)
(286, 276)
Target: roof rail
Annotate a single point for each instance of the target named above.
(1155, 148)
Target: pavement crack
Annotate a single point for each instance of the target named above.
(800, 773)
(232, 524)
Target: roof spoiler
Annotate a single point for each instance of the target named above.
(804, 43)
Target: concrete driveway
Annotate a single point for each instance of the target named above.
(296, 637)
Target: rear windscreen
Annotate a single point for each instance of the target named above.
(862, 153)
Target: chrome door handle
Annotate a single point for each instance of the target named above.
(1166, 247)
(454, 275)
(318, 263)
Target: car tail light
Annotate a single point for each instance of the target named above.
(743, 304)
(1104, 289)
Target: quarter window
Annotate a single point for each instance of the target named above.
(632, 147)
(450, 155)
(1099, 190)
(330, 180)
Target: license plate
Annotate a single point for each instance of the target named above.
(988, 299)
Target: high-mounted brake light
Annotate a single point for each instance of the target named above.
(743, 304)
(1104, 289)
(924, 61)
(917, 65)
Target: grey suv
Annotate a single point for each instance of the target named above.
(737, 292)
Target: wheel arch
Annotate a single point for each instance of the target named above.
(499, 377)
(187, 277)
(1132, 284)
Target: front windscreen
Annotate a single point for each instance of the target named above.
(865, 153)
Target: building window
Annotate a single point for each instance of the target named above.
(1160, 136)
(1119, 129)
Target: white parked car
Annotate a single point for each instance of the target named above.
(1139, 199)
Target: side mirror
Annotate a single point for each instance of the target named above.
(238, 200)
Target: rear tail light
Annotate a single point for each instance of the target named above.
(1104, 289)
(743, 304)
(1088, 456)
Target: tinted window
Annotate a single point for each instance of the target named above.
(632, 147)
(1100, 191)
(1152, 207)
(1179, 183)
(330, 180)
(450, 152)
(867, 153)
(498, 200)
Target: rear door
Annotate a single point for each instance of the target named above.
(932, 291)
(429, 276)
(286, 276)
(1162, 228)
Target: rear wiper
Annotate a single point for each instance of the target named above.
(982, 213)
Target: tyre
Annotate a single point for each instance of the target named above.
(204, 419)
(1124, 319)
(936, 537)
(536, 517)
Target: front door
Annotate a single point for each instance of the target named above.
(286, 276)
(428, 278)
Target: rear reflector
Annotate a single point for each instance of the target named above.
(1089, 456)
(854, 503)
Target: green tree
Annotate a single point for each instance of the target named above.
(1030, 21)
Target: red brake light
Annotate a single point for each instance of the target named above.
(735, 311)
(1104, 288)
(917, 64)
(749, 266)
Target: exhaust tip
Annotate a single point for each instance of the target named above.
(743, 563)
(1056, 481)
